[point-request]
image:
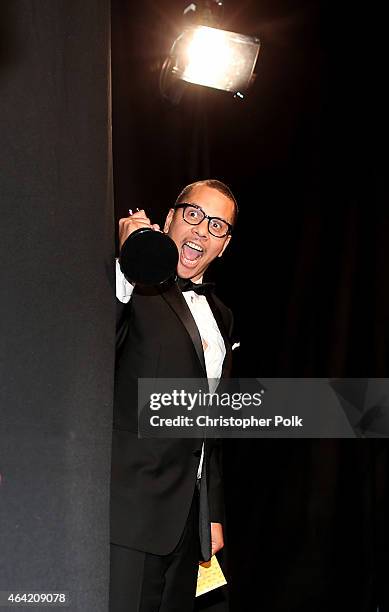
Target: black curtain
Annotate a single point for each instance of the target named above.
(305, 273)
(57, 320)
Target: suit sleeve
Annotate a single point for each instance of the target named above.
(124, 291)
(215, 482)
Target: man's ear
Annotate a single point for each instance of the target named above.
(168, 220)
(225, 245)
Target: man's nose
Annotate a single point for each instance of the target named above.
(201, 229)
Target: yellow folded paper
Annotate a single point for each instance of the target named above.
(210, 577)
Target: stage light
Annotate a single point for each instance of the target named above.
(215, 58)
(207, 55)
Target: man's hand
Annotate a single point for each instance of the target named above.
(216, 537)
(127, 225)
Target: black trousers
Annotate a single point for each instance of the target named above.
(143, 582)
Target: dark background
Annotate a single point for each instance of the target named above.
(305, 273)
(56, 307)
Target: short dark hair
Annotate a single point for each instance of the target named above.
(213, 184)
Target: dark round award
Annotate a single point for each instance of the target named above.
(148, 257)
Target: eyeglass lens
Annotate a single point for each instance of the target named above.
(194, 216)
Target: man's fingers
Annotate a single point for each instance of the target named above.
(205, 563)
(139, 214)
(136, 216)
(217, 540)
(135, 221)
(128, 228)
(129, 225)
(216, 548)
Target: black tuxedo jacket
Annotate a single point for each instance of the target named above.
(153, 480)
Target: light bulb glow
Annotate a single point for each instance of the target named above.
(208, 57)
(215, 58)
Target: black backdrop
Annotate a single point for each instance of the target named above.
(305, 273)
(57, 319)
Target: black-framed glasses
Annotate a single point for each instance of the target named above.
(194, 215)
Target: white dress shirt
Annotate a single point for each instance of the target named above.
(213, 343)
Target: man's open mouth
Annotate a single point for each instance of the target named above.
(191, 253)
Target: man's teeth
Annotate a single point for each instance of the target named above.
(194, 246)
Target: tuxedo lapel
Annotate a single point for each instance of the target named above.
(173, 296)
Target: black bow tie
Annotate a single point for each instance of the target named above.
(185, 284)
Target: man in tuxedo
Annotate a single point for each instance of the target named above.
(166, 499)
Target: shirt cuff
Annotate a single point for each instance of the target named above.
(124, 288)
